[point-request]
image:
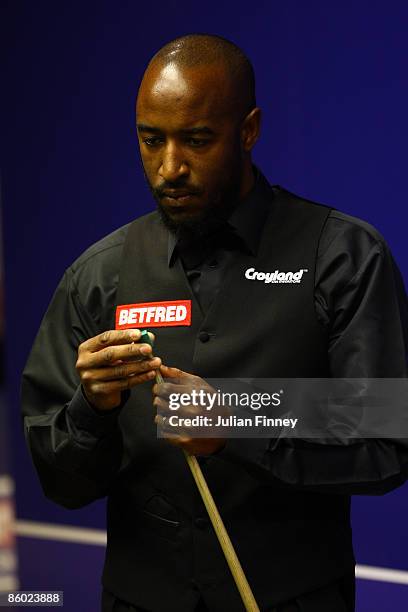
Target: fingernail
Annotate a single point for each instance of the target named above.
(145, 349)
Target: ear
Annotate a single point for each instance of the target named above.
(250, 129)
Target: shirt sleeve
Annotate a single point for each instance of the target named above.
(361, 299)
(76, 450)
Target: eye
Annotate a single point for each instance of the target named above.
(197, 142)
(152, 141)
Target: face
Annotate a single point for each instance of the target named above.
(190, 145)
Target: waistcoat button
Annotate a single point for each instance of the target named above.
(203, 336)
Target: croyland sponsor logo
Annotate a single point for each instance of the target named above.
(276, 276)
(154, 314)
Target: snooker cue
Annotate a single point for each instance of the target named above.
(230, 555)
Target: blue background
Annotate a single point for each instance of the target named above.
(332, 82)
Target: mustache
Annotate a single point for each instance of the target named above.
(160, 190)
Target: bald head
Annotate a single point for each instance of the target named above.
(214, 52)
(197, 124)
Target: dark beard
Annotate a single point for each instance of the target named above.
(210, 221)
(207, 223)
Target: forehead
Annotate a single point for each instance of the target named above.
(172, 94)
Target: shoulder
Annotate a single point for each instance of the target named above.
(351, 251)
(339, 232)
(347, 246)
(93, 277)
(109, 248)
(344, 233)
(337, 222)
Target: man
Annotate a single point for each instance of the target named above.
(87, 388)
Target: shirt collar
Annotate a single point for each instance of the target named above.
(247, 219)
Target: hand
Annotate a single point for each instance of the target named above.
(112, 362)
(183, 382)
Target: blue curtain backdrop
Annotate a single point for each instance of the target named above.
(332, 82)
(8, 559)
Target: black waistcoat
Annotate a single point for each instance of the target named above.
(161, 547)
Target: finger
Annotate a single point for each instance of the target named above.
(175, 373)
(111, 354)
(108, 387)
(174, 433)
(122, 370)
(179, 377)
(166, 430)
(111, 337)
(165, 389)
(161, 405)
(188, 412)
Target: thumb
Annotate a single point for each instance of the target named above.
(168, 372)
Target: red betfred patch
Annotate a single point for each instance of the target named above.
(153, 314)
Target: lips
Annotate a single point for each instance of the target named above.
(178, 200)
(177, 194)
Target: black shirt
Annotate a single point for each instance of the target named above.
(352, 259)
(359, 296)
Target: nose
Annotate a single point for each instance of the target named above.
(172, 166)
